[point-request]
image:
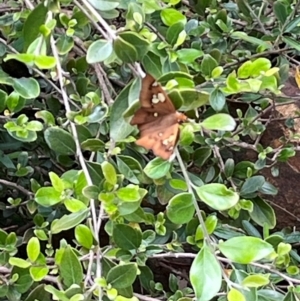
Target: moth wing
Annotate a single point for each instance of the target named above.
(152, 90)
(142, 116)
(162, 141)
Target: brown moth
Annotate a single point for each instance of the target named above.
(157, 119)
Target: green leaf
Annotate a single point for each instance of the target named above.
(170, 16)
(11, 239)
(119, 128)
(260, 65)
(201, 155)
(200, 6)
(178, 184)
(217, 100)
(47, 196)
(35, 19)
(59, 295)
(280, 11)
(33, 249)
(70, 268)
(99, 51)
(243, 8)
(126, 237)
(157, 168)
(129, 168)
(140, 44)
(84, 236)
(244, 70)
(235, 295)
(229, 167)
(252, 185)
(240, 35)
(69, 221)
(26, 58)
(181, 38)
(145, 277)
(64, 44)
(283, 249)
(13, 100)
(104, 5)
(125, 51)
(256, 280)
(122, 276)
(205, 275)
(152, 64)
(129, 193)
(233, 85)
(38, 273)
(93, 145)
(187, 135)
(24, 282)
(46, 116)
(245, 249)
(91, 192)
(180, 209)
(173, 33)
(19, 262)
(3, 99)
(217, 72)
(34, 125)
(292, 24)
(291, 42)
(37, 293)
(45, 61)
(217, 196)
(95, 172)
(56, 182)
(26, 87)
(74, 205)
(208, 64)
(269, 83)
(263, 213)
(60, 141)
(221, 122)
(188, 55)
(190, 98)
(241, 169)
(173, 283)
(38, 46)
(210, 224)
(109, 173)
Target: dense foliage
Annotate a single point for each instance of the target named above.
(88, 215)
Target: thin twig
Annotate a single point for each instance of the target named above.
(207, 238)
(261, 25)
(79, 154)
(217, 154)
(111, 33)
(16, 186)
(88, 15)
(101, 80)
(257, 55)
(228, 261)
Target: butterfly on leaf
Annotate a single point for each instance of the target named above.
(157, 119)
